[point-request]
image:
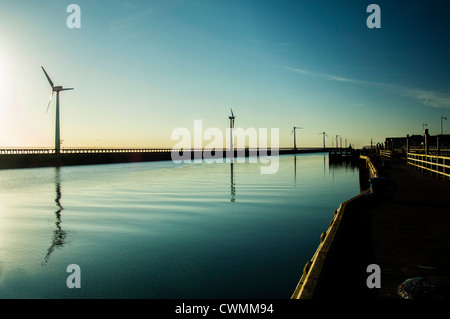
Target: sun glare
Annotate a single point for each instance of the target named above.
(2, 71)
(7, 94)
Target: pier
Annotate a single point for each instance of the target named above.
(47, 157)
(403, 229)
(343, 154)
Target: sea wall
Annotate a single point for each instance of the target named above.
(9, 161)
(49, 160)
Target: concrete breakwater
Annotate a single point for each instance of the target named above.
(30, 158)
(69, 159)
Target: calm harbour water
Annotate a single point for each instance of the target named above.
(165, 230)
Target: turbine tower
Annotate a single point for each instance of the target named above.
(232, 117)
(324, 134)
(337, 144)
(56, 89)
(293, 131)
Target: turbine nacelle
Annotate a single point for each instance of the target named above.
(296, 128)
(60, 88)
(54, 88)
(232, 117)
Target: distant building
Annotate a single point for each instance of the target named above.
(395, 143)
(416, 141)
(399, 144)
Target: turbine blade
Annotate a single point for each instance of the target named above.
(232, 115)
(48, 78)
(67, 89)
(50, 100)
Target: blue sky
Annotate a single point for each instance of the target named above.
(141, 69)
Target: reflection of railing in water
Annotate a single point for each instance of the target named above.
(438, 165)
(59, 235)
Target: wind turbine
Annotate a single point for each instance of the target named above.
(232, 117)
(293, 131)
(324, 134)
(56, 89)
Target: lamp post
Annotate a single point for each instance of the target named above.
(442, 127)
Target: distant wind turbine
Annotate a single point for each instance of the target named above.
(324, 134)
(293, 131)
(232, 117)
(56, 89)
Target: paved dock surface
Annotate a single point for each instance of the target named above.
(407, 234)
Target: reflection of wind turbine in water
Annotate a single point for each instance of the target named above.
(295, 170)
(59, 235)
(233, 189)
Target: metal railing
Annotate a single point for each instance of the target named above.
(432, 150)
(386, 153)
(373, 172)
(86, 150)
(434, 164)
(71, 150)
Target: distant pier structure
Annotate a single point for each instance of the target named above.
(48, 157)
(343, 154)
